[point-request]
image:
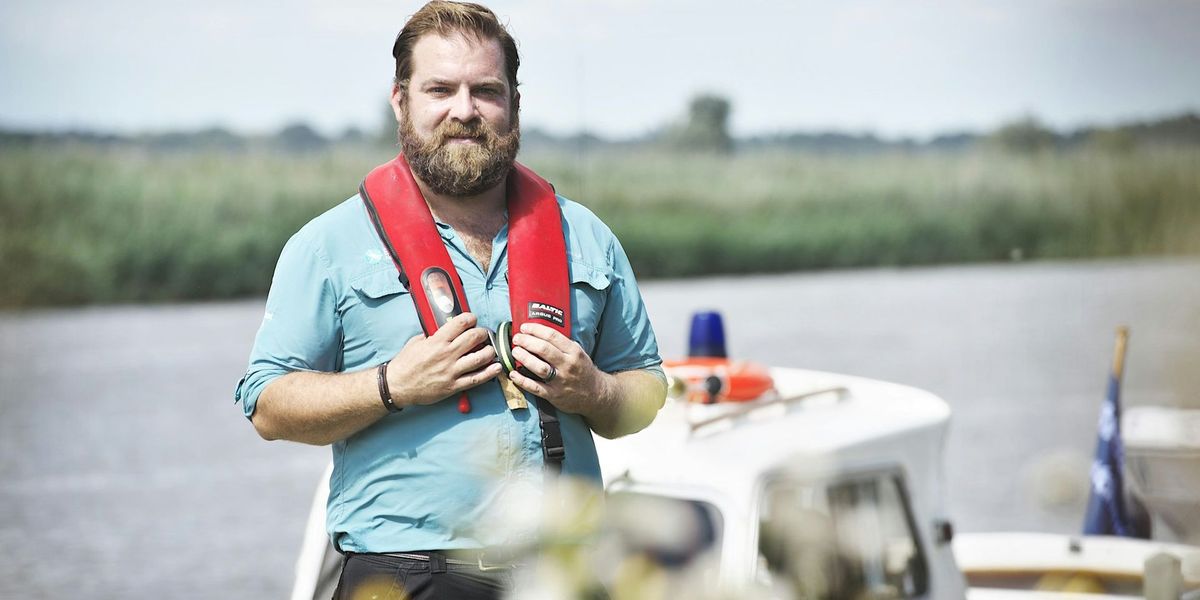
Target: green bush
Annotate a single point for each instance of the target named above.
(85, 224)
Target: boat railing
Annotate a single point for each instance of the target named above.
(746, 408)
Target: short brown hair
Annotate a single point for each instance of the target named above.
(445, 18)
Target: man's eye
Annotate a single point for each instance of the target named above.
(440, 90)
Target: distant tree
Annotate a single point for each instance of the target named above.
(1025, 136)
(1114, 141)
(352, 135)
(219, 137)
(1181, 130)
(953, 142)
(212, 138)
(706, 128)
(300, 137)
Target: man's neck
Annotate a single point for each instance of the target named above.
(472, 214)
(477, 219)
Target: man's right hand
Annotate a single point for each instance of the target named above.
(431, 369)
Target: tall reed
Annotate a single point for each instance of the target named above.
(80, 224)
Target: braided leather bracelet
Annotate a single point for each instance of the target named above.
(384, 393)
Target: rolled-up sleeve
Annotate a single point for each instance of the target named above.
(301, 328)
(625, 340)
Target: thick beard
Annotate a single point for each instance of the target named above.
(460, 170)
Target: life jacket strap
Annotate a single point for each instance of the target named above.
(553, 449)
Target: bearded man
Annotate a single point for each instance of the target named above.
(427, 424)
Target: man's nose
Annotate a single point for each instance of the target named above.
(462, 106)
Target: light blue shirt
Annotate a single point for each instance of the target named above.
(426, 477)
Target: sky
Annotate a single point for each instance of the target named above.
(614, 67)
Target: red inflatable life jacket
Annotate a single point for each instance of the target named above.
(538, 279)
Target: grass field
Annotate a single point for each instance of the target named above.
(89, 225)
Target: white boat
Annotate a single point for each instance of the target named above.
(827, 486)
(1004, 565)
(854, 464)
(1162, 456)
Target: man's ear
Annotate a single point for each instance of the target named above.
(396, 100)
(516, 102)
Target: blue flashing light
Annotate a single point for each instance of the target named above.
(707, 335)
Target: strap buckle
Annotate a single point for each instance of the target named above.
(485, 567)
(552, 438)
(556, 453)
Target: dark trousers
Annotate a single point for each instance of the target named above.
(389, 577)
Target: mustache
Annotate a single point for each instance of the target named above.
(475, 128)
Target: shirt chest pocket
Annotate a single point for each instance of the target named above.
(378, 318)
(589, 295)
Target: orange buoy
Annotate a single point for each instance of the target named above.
(707, 380)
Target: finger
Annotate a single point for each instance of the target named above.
(532, 386)
(454, 327)
(560, 341)
(467, 381)
(542, 348)
(468, 341)
(533, 363)
(475, 360)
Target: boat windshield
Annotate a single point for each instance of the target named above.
(849, 538)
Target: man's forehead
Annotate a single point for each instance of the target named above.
(457, 54)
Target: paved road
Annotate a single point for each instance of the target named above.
(127, 472)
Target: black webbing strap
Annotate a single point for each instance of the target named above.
(553, 449)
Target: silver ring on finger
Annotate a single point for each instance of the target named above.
(551, 375)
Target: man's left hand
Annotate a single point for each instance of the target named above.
(577, 385)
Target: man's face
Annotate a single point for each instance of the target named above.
(458, 118)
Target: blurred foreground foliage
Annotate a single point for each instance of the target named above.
(88, 224)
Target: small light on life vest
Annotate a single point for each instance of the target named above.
(707, 335)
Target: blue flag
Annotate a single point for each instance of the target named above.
(1106, 511)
